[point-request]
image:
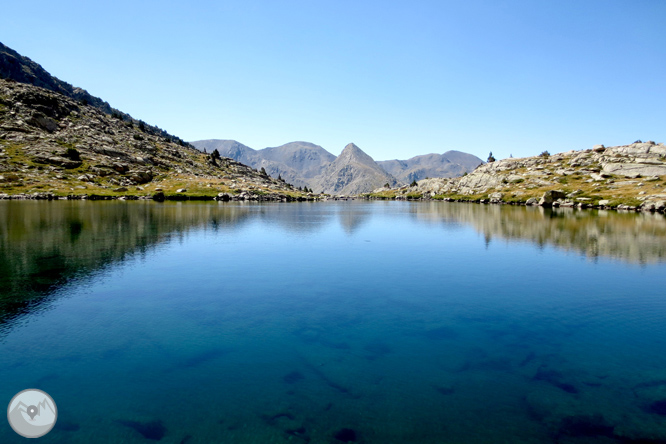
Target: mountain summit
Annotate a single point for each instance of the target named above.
(353, 172)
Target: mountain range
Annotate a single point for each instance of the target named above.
(305, 164)
(57, 138)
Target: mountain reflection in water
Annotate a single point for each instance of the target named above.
(44, 245)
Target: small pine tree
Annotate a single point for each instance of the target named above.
(544, 154)
(280, 177)
(491, 158)
(215, 154)
(387, 185)
(413, 184)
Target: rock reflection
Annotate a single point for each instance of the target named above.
(631, 237)
(45, 244)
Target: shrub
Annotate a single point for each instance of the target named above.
(72, 153)
(413, 184)
(491, 158)
(544, 154)
(137, 137)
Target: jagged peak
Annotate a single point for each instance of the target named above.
(353, 153)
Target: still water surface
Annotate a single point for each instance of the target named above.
(369, 322)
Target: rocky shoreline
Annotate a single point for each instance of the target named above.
(550, 199)
(161, 197)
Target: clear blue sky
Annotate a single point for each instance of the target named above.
(397, 78)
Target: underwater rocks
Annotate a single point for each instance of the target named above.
(657, 407)
(153, 430)
(555, 378)
(293, 377)
(345, 435)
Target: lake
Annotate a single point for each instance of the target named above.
(368, 322)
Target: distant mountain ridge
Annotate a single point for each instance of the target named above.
(449, 164)
(297, 163)
(310, 165)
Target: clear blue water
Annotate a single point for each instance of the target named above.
(289, 323)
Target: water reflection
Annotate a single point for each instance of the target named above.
(43, 245)
(631, 237)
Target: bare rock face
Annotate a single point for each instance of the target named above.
(635, 160)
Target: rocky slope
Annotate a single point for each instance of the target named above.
(353, 172)
(624, 177)
(51, 144)
(14, 66)
(449, 164)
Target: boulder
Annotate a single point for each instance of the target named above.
(158, 197)
(86, 178)
(650, 205)
(495, 197)
(604, 202)
(532, 201)
(57, 160)
(181, 190)
(140, 177)
(40, 120)
(551, 196)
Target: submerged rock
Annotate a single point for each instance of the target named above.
(345, 435)
(293, 377)
(153, 430)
